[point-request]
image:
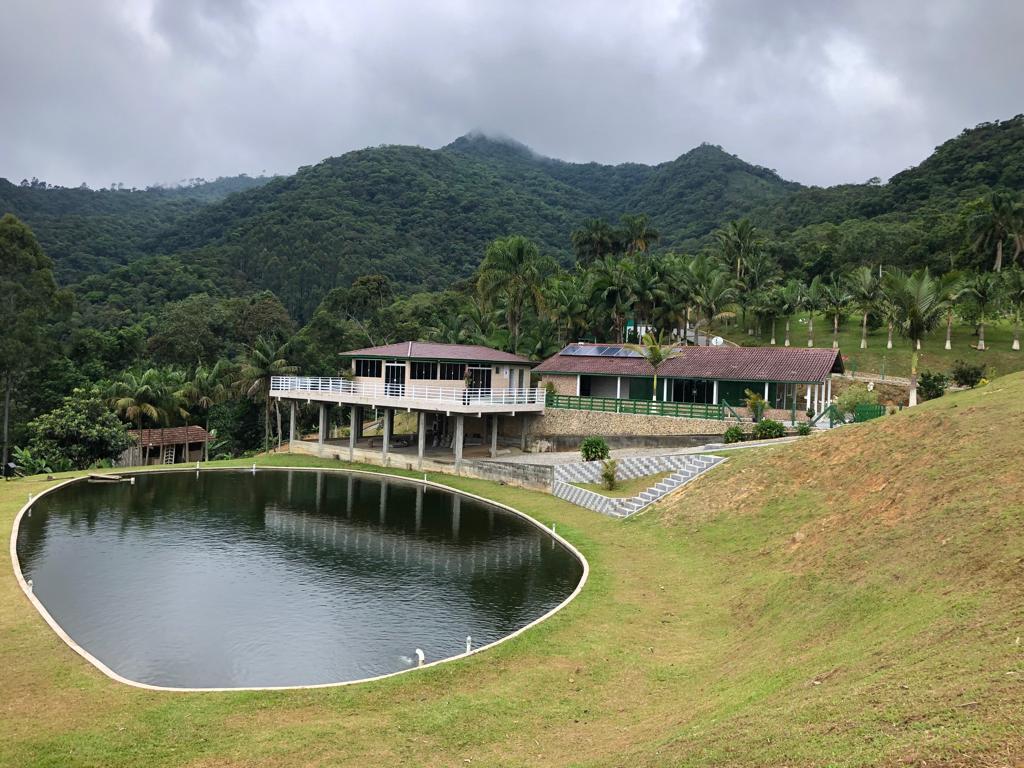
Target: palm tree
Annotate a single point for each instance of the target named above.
(263, 360)
(512, 274)
(997, 220)
(919, 308)
(794, 299)
(594, 240)
(738, 241)
(1013, 288)
(656, 352)
(206, 388)
(950, 288)
(834, 299)
(770, 303)
(172, 398)
(636, 233)
(813, 302)
(864, 293)
(985, 290)
(646, 291)
(713, 291)
(610, 286)
(136, 398)
(565, 297)
(759, 271)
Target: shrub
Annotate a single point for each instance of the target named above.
(734, 434)
(768, 429)
(549, 388)
(755, 403)
(856, 395)
(967, 374)
(593, 449)
(608, 470)
(803, 429)
(931, 384)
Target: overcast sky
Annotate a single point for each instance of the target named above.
(144, 91)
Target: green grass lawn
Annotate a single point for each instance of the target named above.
(998, 356)
(625, 489)
(850, 599)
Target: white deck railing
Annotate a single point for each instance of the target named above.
(364, 390)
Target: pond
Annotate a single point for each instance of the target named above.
(227, 579)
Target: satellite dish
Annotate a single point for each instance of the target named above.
(717, 341)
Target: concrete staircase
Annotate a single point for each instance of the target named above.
(684, 469)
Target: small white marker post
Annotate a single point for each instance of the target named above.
(419, 657)
(469, 643)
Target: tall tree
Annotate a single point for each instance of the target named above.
(993, 224)
(738, 241)
(136, 397)
(985, 291)
(207, 387)
(835, 297)
(713, 291)
(919, 308)
(950, 288)
(794, 301)
(611, 290)
(864, 293)
(512, 274)
(594, 240)
(28, 299)
(636, 233)
(1013, 289)
(812, 304)
(263, 360)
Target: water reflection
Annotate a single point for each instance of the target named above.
(282, 577)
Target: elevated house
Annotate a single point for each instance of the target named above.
(455, 389)
(709, 379)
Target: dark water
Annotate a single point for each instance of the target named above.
(282, 577)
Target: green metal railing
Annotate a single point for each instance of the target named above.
(867, 411)
(641, 407)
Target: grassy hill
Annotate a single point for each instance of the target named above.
(852, 599)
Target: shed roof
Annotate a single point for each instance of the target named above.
(784, 364)
(171, 435)
(429, 350)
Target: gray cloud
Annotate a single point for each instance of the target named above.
(824, 92)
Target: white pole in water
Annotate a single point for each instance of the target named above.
(469, 643)
(419, 657)
(133, 481)
(254, 467)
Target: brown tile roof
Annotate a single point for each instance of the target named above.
(429, 350)
(171, 435)
(722, 363)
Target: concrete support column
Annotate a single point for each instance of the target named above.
(828, 394)
(664, 390)
(291, 426)
(494, 436)
(389, 414)
(522, 435)
(577, 385)
(322, 434)
(808, 388)
(766, 393)
(353, 420)
(359, 422)
(460, 431)
(714, 393)
(618, 387)
(421, 439)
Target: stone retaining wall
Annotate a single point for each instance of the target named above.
(560, 422)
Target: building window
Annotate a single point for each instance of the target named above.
(369, 368)
(453, 371)
(423, 371)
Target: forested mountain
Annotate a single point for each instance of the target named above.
(423, 217)
(89, 231)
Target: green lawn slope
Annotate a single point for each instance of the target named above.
(851, 599)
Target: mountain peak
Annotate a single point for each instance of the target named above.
(478, 142)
